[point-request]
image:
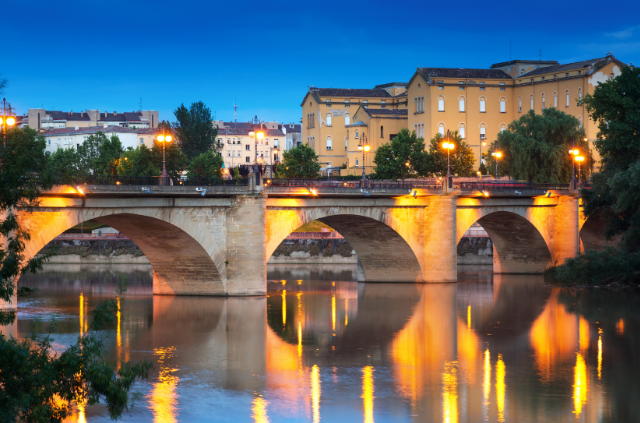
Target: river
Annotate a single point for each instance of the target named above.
(321, 347)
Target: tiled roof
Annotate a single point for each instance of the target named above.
(238, 131)
(395, 112)
(358, 123)
(392, 84)
(563, 68)
(89, 130)
(120, 117)
(296, 127)
(465, 73)
(58, 115)
(350, 92)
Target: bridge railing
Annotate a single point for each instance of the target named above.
(336, 183)
(507, 186)
(154, 180)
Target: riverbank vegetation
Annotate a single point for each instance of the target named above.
(615, 190)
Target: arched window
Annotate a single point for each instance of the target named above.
(421, 104)
(347, 119)
(580, 122)
(567, 94)
(543, 102)
(521, 71)
(346, 143)
(328, 119)
(329, 141)
(531, 101)
(381, 131)
(441, 103)
(483, 131)
(415, 101)
(356, 134)
(503, 105)
(555, 99)
(483, 105)
(418, 87)
(461, 131)
(461, 104)
(580, 94)
(503, 127)
(441, 128)
(520, 104)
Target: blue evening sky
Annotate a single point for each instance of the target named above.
(107, 55)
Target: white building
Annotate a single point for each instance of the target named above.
(238, 148)
(74, 137)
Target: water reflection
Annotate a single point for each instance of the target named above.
(490, 348)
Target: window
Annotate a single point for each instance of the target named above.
(441, 128)
(356, 162)
(567, 94)
(543, 78)
(482, 86)
(461, 85)
(531, 101)
(520, 104)
(503, 127)
(483, 105)
(382, 104)
(346, 143)
(543, 102)
(328, 103)
(502, 87)
(521, 71)
(329, 141)
(611, 75)
(483, 129)
(580, 122)
(356, 134)
(246, 159)
(566, 75)
(503, 105)
(555, 99)
(580, 94)
(461, 131)
(141, 140)
(346, 104)
(419, 87)
(228, 153)
(328, 119)
(347, 120)
(415, 101)
(247, 147)
(441, 85)
(579, 73)
(441, 104)
(364, 103)
(382, 132)
(461, 104)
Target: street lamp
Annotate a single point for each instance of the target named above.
(365, 149)
(497, 155)
(574, 152)
(256, 135)
(164, 176)
(448, 145)
(5, 121)
(579, 159)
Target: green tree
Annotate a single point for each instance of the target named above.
(66, 165)
(195, 131)
(299, 162)
(536, 147)
(100, 154)
(403, 157)
(175, 159)
(461, 157)
(206, 165)
(139, 162)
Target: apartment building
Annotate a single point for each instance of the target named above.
(42, 119)
(237, 147)
(328, 113)
(74, 137)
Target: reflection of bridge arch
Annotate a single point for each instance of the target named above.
(176, 249)
(387, 243)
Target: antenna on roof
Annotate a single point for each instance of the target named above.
(140, 104)
(235, 114)
(540, 55)
(509, 48)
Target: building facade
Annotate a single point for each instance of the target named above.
(237, 147)
(42, 119)
(327, 114)
(74, 137)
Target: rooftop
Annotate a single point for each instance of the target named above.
(394, 112)
(465, 73)
(568, 66)
(245, 131)
(351, 92)
(392, 84)
(91, 130)
(529, 62)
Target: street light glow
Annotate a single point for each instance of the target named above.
(367, 148)
(497, 154)
(448, 145)
(160, 138)
(252, 134)
(168, 138)
(11, 121)
(579, 158)
(260, 135)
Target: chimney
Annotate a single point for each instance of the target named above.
(115, 113)
(105, 115)
(70, 112)
(81, 113)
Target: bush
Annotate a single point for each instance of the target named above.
(605, 267)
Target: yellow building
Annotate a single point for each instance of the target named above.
(327, 113)
(479, 103)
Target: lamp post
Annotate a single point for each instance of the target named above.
(482, 160)
(164, 176)
(256, 135)
(365, 149)
(448, 145)
(497, 154)
(5, 121)
(579, 159)
(574, 153)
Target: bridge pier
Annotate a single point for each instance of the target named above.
(440, 242)
(567, 234)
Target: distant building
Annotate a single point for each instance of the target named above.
(293, 135)
(238, 148)
(42, 119)
(292, 131)
(74, 137)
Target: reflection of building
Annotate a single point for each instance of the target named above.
(42, 119)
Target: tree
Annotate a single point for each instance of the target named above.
(403, 157)
(66, 165)
(37, 385)
(461, 157)
(139, 162)
(175, 159)
(615, 190)
(206, 165)
(195, 131)
(100, 154)
(299, 162)
(536, 147)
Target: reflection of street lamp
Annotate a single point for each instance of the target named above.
(164, 177)
(365, 149)
(448, 145)
(579, 159)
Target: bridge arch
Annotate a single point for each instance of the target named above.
(389, 247)
(592, 233)
(522, 237)
(185, 259)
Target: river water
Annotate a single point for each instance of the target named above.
(321, 347)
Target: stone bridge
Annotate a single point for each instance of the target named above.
(218, 242)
